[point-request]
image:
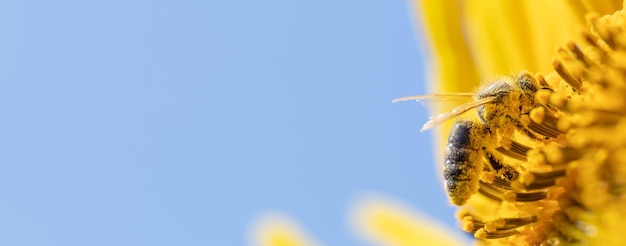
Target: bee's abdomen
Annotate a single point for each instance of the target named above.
(462, 161)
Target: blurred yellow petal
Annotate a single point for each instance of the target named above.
(278, 230)
(450, 58)
(507, 40)
(386, 222)
(472, 41)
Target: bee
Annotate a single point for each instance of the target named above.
(478, 146)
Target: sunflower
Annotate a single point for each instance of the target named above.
(569, 188)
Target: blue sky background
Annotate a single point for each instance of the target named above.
(179, 122)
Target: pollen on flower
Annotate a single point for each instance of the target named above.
(570, 187)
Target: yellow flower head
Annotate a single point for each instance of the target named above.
(550, 168)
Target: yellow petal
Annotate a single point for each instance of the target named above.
(522, 35)
(472, 41)
(278, 230)
(450, 58)
(386, 222)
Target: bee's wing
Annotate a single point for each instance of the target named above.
(455, 112)
(434, 97)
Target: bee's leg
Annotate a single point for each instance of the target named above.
(506, 174)
(523, 129)
(502, 170)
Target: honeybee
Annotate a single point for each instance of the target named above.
(503, 108)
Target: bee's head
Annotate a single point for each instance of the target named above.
(528, 88)
(527, 83)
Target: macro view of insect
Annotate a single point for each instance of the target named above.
(475, 154)
(484, 153)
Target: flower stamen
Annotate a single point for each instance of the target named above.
(517, 151)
